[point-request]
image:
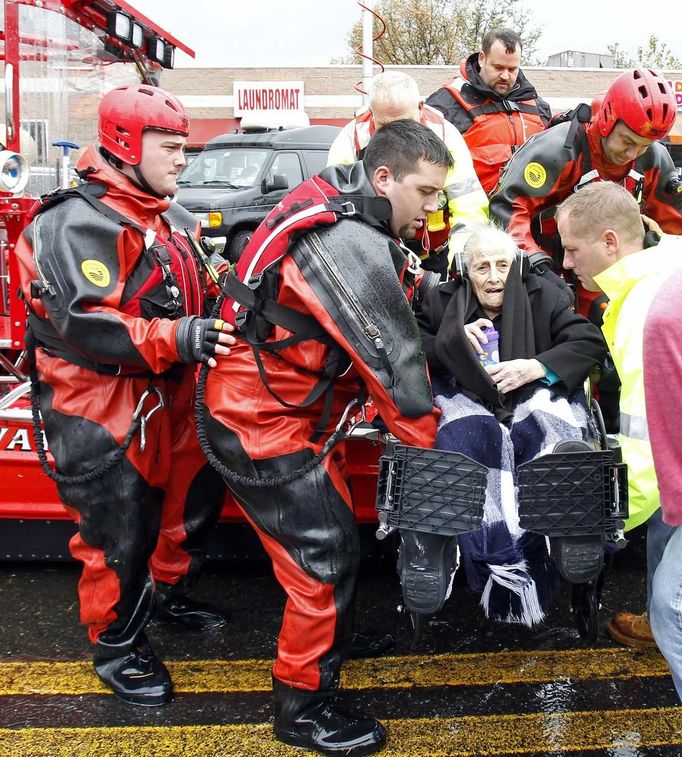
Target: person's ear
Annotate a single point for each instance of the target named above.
(381, 180)
(481, 58)
(611, 242)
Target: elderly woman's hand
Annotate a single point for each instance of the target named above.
(511, 374)
(474, 333)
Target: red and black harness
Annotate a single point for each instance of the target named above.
(166, 281)
(251, 305)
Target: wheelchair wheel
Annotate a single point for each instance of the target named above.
(585, 606)
(415, 624)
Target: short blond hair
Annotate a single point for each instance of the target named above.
(599, 206)
(393, 88)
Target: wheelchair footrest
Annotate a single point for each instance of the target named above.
(573, 494)
(430, 490)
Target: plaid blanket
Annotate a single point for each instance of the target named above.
(508, 566)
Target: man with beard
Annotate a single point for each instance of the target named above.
(492, 104)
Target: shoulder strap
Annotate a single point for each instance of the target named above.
(90, 191)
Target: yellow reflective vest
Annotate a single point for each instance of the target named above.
(467, 202)
(631, 285)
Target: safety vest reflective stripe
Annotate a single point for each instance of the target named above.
(460, 188)
(634, 427)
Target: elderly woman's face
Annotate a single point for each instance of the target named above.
(488, 273)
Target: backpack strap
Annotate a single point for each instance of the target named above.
(375, 211)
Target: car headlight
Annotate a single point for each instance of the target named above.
(201, 217)
(212, 219)
(215, 219)
(14, 172)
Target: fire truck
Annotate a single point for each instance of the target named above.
(58, 57)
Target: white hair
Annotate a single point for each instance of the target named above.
(393, 88)
(487, 238)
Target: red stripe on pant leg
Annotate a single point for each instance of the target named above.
(309, 621)
(170, 563)
(99, 589)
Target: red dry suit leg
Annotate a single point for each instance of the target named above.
(137, 524)
(309, 531)
(340, 328)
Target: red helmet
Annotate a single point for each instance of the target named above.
(643, 100)
(126, 112)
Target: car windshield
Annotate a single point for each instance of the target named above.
(229, 167)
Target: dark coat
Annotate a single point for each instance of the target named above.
(536, 321)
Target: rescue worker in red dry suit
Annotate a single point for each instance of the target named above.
(115, 292)
(325, 320)
(617, 143)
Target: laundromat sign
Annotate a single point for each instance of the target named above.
(278, 96)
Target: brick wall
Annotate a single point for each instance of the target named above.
(330, 90)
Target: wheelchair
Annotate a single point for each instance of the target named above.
(576, 496)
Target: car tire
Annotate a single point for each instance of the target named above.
(238, 243)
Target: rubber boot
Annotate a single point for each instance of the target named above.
(173, 606)
(136, 675)
(312, 719)
(370, 644)
(426, 565)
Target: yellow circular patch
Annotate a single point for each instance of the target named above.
(96, 272)
(535, 175)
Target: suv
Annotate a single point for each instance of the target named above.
(237, 179)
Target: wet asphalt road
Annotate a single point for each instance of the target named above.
(472, 687)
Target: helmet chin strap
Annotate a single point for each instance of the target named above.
(144, 184)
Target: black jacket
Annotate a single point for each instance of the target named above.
(537, 321)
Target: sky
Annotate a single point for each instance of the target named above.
(312, 32)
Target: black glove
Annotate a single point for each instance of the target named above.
(196, 338)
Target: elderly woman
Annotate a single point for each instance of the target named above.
(500, 415)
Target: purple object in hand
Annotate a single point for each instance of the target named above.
(491, 351)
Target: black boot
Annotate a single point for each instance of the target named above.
(426, 566)
(370, 644)
(311, 719)
(136, 676)
(579, 559)
(174, 607)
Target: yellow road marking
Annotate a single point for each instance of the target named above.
(204, 676)
(419, 737)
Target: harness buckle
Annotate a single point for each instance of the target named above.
(347, 208)
(242, 318)
(255, 281)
